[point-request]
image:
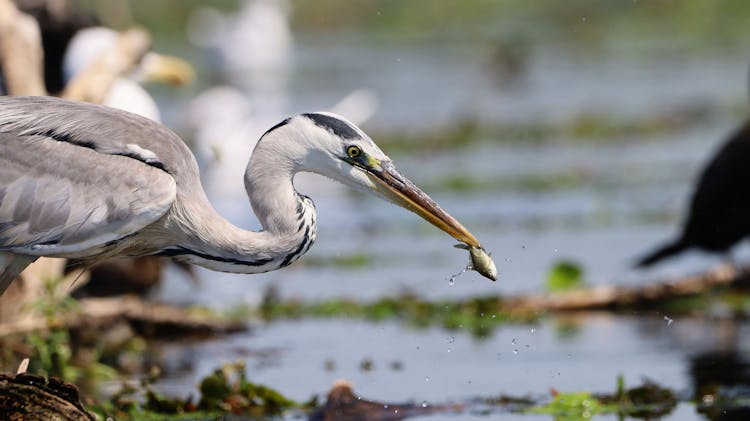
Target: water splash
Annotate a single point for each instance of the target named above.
(668, 320)
(452, 279)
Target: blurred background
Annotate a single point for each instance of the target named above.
(559, 132)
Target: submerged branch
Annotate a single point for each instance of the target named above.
(148, 318)
(619, 297)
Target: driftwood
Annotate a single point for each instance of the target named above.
(615, 297)
(147, 318)
(33, 398)
(21, 56)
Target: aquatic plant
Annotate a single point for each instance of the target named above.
(227, 390)
(564, 275)
(478, 315)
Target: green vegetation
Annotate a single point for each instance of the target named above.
(355, 260)
(52, 351)
(479, 315)
(225, 391)
(536, 183)
(646, 401)
(564, 275)
(585, 127)
(571, 406)
(582, 21)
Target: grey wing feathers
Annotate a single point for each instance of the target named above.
(60, 197)
(103, 129)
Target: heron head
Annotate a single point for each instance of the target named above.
(336, 148)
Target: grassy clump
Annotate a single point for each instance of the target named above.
(647, 401)
(479, 315)
(564, 275)
(227, 390)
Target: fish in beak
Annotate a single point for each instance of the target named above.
(399, 190)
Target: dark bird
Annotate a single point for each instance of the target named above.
(719, 215)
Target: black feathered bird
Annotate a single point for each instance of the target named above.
(719, 215)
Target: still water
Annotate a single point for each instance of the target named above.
(629, 199)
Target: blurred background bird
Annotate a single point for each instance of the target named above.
(718, 216)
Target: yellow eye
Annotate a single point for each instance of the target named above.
(353, 151)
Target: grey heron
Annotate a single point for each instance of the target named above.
(86, 182)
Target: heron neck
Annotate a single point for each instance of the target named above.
(287, 219)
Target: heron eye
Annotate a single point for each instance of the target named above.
(353, 151)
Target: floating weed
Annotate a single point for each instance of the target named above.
(571, 406)
(355, 260)
(479, 315)
(225, 391)
(565, 275)
(647, 401)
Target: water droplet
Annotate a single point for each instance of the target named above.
(452, 279)
(385, 406)
(527, 346)
(494, 315)
(395, 411)
(449, 350)
(668, 320)
(515, 352)
(451, 339)
(424, 404)
(513, 342)
(583, 18)
(427, 379)
(533, 329)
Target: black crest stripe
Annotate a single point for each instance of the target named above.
(338, 127)
(280, 124)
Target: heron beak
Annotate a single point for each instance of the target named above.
(399, 190)
(165, 69)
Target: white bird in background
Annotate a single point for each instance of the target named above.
(126, 93)
(255, 45)
(224, 119)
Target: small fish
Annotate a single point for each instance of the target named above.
(480, 261)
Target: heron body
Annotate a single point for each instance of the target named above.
(86, 182)
(718, 215)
